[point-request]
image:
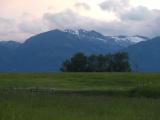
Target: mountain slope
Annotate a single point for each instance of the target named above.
(145, 56)
(7, 51)
(47, 51)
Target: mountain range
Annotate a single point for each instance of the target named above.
(45, 52)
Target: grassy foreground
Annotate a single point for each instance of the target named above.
(136, 96)
(78, 108)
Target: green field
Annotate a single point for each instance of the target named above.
(81, 96)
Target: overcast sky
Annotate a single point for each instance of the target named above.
(20, 19)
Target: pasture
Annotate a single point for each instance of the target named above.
(80, 96)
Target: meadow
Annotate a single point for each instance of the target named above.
(80, 96)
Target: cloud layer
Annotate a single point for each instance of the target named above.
(129, 20)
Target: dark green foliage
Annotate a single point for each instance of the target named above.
(119, 62)
(78, 63)
(97, 63)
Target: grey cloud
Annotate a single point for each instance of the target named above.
(69, 19)
(82, 5)
(32, 27)
(124, 11)
(114, 5)
(135, 21)
(66, 19)
(137, 13)
(6, 24)
(7, 28)
(11, 29)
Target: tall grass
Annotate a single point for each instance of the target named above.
(74, 107)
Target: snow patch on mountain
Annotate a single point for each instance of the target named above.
(123, 41)
(133, 39)
(74, 32)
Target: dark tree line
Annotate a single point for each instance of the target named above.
(117, 62)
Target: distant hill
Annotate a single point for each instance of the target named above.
(47, 51)
(9, 44)
(145, 56)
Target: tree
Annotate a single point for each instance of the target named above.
(120, 62)
(92, 63)
(117, 62)
(78, 63)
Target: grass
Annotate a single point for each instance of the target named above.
(79, 80)
(94, 96)
(146, 84)
(78, 107)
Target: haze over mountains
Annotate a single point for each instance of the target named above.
(47, 51)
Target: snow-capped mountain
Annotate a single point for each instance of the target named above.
(81, 33)
(123, 41)
(47, 51)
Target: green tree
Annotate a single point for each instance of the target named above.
(78, 63)
(92, 65)
(117, 62)
(120, 62)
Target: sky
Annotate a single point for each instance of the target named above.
(20, 19)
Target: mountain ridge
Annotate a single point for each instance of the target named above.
(46, 51)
